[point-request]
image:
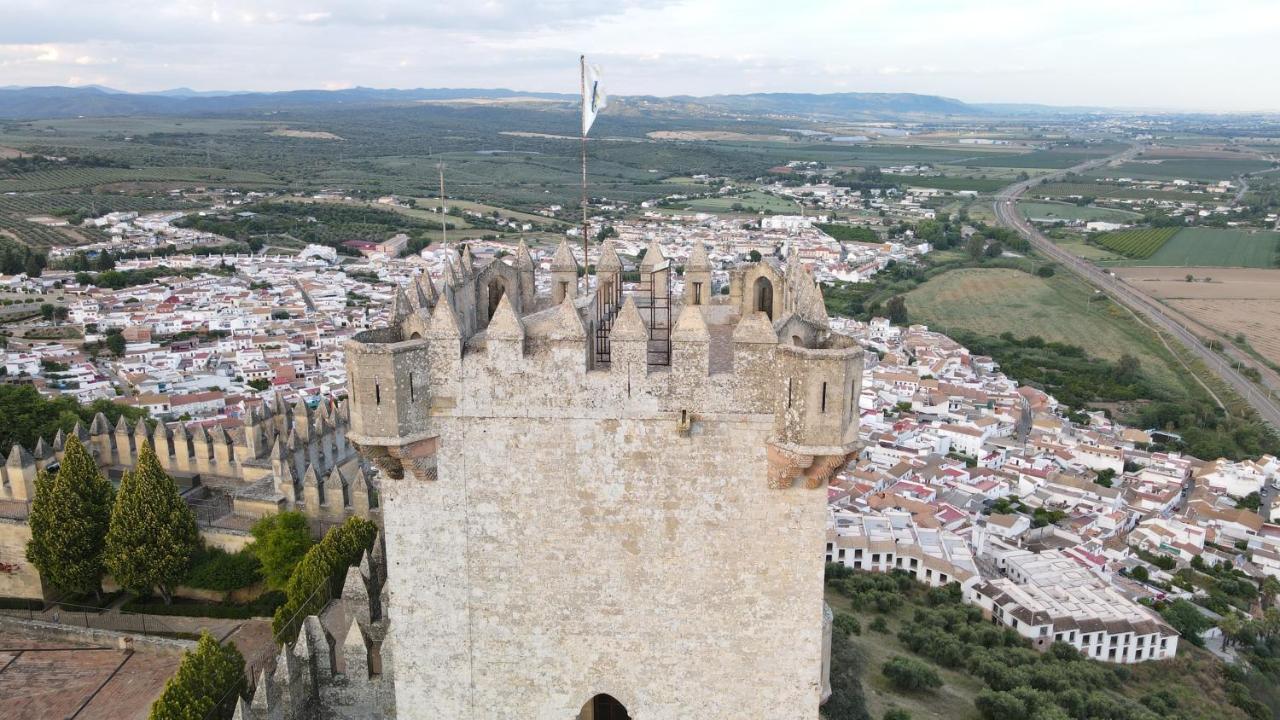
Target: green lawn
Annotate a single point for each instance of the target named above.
(996, 300)
(1215, 247)
(1067, 211)
(754, 199)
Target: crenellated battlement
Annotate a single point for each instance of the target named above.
(763, 354)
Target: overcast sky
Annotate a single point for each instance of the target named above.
(1218, 55)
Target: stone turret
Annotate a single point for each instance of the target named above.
(613, 471)
(527, 270)
(608, 274)
(20, 473)
(564, 274)
(655, 268)
(697, 276)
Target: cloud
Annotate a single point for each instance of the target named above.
(1139, 52)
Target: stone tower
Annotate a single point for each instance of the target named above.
(574, 538)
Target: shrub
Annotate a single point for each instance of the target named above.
(911, 675)
(324, 564)
(896, 713)
(264, 606)
(217, 569)
(847, 624)
(879, 625)
(279, 542)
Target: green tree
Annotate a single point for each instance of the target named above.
(1187, 620)
(280, 541)
(975, 246)
(896, 713)
(69, 519)
(896, 310)
(153, 533)
(755, 256)
(911, 675)
(207, 684)
(115, 343)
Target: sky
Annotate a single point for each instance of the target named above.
(1217, 56)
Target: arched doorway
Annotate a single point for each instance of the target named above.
(764, 296)
(603, 707)
(496, 290)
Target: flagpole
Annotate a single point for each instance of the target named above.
(582, 66)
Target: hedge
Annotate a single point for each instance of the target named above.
(325, 563)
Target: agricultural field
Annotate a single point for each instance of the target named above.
(760, 201)
(1056, 158)
(991, 301)
(950, 182)
(72, 178)
(1067, 211)
(1227, 301)
(1214, 247)
(1138, 242)
(1203, 169)
(1101, 189)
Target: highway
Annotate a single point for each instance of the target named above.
(1005, 206)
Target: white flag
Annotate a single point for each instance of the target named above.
(593, 97)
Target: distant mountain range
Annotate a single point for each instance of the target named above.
(98, 101)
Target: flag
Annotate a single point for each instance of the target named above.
(593, 97)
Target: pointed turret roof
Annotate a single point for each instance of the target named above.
(311, 477)
(653, 255)
(755, 328)
(59, 440)
(563, 260)
(452, 276)
(691, 326)
(80, 432)
(19, 457)
(122, 426)
(698, 259)
(424, 292)
(609, 260)
(567, 324)
(400, 307)
(524, 261)
(100, 425)
(468, 261)
(140, 429)
(42, 450)
(444, 321)
(278, 451)
(505, 324)
(629, 325)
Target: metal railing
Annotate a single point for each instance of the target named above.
(95, 618)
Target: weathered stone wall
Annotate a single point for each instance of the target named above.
(24, 580)
(575, 543)
(559, 528)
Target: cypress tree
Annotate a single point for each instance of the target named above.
(209, 677)
(153, 533)
(69, 518)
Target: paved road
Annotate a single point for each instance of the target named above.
(1006, 210)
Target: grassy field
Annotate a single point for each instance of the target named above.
(70, 178)
(1067, 211)
(1215, 247)
(754, 199)
(1206, 169)
(1060, 308)
(1099, 189)
(950, 182)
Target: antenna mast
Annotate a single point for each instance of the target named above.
(444, 225)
